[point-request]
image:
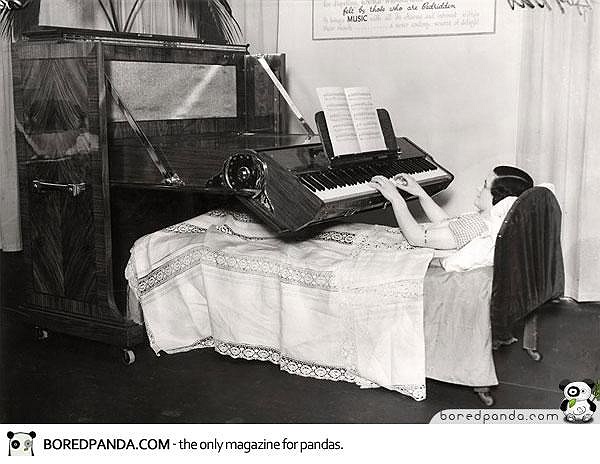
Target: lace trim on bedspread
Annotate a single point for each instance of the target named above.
(239, 216)
(294, 366)
(341, 237)
(297, 367)
(362, 241)
(286, 273)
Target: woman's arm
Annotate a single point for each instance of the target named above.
(419, 235)
(416, 234)
(432, 210)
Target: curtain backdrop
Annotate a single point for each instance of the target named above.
(10, 226)
(559, 132)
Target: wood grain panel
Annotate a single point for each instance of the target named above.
(62, 230)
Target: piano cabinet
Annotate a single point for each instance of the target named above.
(88, 188)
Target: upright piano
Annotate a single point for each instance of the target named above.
(119, 135)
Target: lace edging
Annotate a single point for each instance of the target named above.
(306, 369)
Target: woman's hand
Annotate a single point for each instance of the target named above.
(386, 187)
(407, 183)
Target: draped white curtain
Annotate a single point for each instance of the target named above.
(10, 226)
(559, 132)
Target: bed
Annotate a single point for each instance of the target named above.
(353, 302)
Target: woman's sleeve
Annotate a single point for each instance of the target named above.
(467, 227)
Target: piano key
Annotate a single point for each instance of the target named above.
(339, 180)
(315, 182)
(323, 180)
(333, 183)
(363, 188)
(307, 184)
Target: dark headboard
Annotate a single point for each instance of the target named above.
(528, 262)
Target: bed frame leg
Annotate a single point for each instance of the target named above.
(484, 395)
(530, 337)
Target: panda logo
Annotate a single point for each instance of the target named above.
(578, 403)
(21, 443)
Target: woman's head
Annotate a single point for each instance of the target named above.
(502, 182)
(509, 182)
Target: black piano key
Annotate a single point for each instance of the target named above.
(325, 180)
(304, 178)
(365, 176)
(331, 178)
(412, 166)
(353, 173)
(344, 175)
(347, 175)
(389, 170)
(384, 170)
(428, 164)
(407, 166)
(307, 184)
(415, 165)
(398, 167)
(339, 180)
(423, 164)
(372, 170)
(311, 178)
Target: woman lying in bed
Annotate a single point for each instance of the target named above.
(501, 187)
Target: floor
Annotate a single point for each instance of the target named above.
(63, 379)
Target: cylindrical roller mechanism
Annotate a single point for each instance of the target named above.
(244, 171)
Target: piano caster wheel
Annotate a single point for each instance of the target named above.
(534, 354)
(127, 356)
(41, 334)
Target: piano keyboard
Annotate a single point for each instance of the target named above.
(350, 181)
(291, 188)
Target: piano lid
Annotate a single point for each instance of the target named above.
(44, 33)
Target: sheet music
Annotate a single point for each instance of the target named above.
(365, 119)
(339, 120)
(352, 120)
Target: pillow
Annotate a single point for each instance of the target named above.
(479, 252)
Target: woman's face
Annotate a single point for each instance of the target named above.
(483, 200)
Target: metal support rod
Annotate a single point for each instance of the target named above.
(285, 95)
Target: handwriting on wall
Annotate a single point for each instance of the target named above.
(582, 6)
(343, 19)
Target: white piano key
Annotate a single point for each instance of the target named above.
(350, 191)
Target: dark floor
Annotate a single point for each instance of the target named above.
(67, 380)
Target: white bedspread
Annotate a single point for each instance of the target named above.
(340, 306)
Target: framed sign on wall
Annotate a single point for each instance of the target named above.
(356, 19)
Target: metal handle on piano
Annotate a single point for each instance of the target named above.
(74, 189)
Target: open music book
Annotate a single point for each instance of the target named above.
(352, 120)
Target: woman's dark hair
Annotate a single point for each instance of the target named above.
(510, 181)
